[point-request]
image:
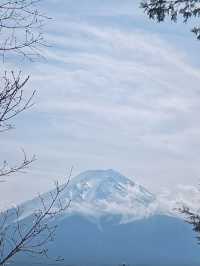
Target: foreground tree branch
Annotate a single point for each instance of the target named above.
(192, 218)
(32, 237)
(12, 99)
(21, 26)
(21, 33)
(6, 169)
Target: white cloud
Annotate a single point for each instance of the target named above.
(110, 97)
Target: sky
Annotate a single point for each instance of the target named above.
(114, 90)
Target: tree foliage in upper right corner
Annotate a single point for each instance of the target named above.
(186, 9)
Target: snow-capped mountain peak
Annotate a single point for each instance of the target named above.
(101, 192)
(96, 193)
(102, 185)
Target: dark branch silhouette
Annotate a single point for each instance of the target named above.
(19, 236)
(192, 218)
(12, 99)
(13, 102)
(21, 25)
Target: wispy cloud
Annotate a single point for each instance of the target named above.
(110, 97)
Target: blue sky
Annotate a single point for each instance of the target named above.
(115, 91)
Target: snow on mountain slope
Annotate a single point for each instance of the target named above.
(108, 185)
(102, 192)
(96, 193)
(108, 192)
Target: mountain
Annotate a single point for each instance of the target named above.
(113, 220)
(157, 240)
(107, 191)
(101, 192)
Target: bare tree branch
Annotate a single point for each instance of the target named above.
(21, 26)
(7, 170)
(32, 238)
(21, 33)
(12, 98)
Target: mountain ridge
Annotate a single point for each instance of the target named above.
(112, 220)
(96, 193)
